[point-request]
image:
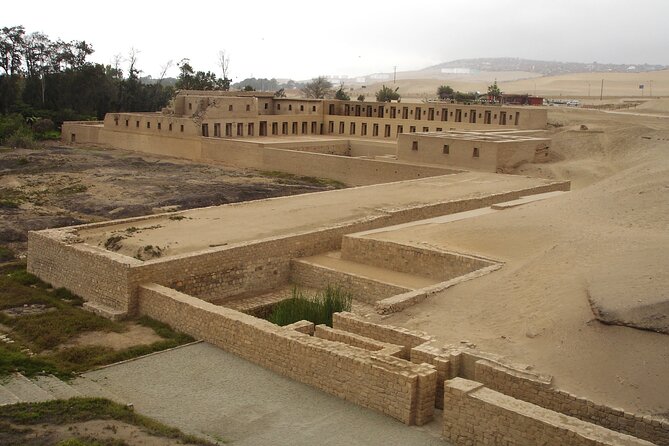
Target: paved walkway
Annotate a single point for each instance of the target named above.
(204, 390)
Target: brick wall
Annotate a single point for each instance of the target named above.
(393, 386)
(88, 271)
(542, 393)
(432, 263)
(367, 290)
(474, 414)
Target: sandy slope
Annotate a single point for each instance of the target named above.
(535, 309)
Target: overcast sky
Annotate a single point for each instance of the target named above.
(304, 39)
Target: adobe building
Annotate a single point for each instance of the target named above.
(486, 151)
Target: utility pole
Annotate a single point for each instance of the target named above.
(651, 88)
(394, 73)
(601, 91)
(588, 89)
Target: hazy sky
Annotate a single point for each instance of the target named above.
(303, 39)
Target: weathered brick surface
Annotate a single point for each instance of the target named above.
(307, 274)
(390, 385)
(88, 271)
(539, 391)
(427, 262)
(332, 334)
(476, 415)
(408, 339)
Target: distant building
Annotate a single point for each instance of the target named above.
(521, 99)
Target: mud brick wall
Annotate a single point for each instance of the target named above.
(432, 263)
(409, 339)
(332, 334)
(317, 276)
(395, 387)
(541, 393)
(96, 275)
(474, 414)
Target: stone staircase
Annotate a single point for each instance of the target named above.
(19, 389)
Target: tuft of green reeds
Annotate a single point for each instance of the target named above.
(317, 308)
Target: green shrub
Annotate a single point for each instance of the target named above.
(10, 124)
(317, 309)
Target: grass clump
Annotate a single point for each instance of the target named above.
(6, 254)
(317, 308)
(75, 410)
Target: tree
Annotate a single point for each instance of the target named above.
(224, 63)
(361, 98)
(387, 94)
(280, 93)
(11, 46)
(444, 92)
(341, 94)
(249, 88)
(494, 93)
(318, 88)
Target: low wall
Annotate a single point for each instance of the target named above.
(395, 387)
(351, 171)
(361, 147)
(83, 131)
(179, 147)
(474, 414)
(431, 263)
(332, 334)
(310, 275)
(408, 339)
(85, 270)
(542, 393)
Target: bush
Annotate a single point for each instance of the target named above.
(10, 124)
(43, 125)
(21, 138)
(317, 309)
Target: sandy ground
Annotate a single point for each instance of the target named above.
(535, 309)
(135, 335)
(205, 391)
(62, 186)
(578, 85)
(202, 228)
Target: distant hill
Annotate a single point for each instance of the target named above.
(543, 67)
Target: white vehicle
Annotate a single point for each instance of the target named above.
(573, 103)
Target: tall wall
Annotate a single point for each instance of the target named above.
(395, 387)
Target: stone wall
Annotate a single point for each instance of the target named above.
(332, 334)
(84, 270)
(84, 132)
(474, 414)
(540, 392)
(307, 274)
(393, 386)
(432, 263)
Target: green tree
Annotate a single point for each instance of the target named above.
(387, 94)
(361, 98)
(280, 93)
(249, 88)
(341, 94)
(445, 92)
(318, 88)
(494, 92)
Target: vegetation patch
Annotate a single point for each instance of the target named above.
(6, 254)
(32, 344)
(77, 410)
(289, 178)
(317, 308)
(113, 243)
